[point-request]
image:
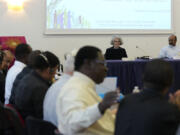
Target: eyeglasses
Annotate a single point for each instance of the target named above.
(101, 62)
(117, 41)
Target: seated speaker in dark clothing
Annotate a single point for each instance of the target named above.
(116, 52)
(28, 69)
(33, 87)
(149, 112)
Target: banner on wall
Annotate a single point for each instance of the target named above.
(10, 42)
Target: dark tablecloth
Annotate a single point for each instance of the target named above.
(130, 73)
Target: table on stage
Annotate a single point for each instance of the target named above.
(130, 73)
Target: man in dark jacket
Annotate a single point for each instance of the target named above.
(148, 112)
(28, 69)
(33, 87)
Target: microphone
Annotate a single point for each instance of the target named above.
(142, 50)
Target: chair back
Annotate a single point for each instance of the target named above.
(39, 127)
(10, 123)
(16, 111)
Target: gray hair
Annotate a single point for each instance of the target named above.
(69, 61)
(114, 37)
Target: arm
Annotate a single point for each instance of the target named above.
(125, 54)
(38, 98)
(107, 54)
(76, 115)
(162, 53)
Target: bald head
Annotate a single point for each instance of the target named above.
(172, 40)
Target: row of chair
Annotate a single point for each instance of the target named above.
(11, 123)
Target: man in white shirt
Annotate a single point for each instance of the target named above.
(21, 54)
(170, 51)
(49, 105)
(79, 109)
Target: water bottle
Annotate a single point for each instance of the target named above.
(136, 89)
(121, 96)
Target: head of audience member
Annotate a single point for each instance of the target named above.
(172, 40)
(46, 65)
(90, 61)
(1, 59)
(158, 75)
(69, 62)
(31, 58)
(8, 59)
(116, 41)
(22, 52)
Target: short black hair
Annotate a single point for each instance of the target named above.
(22, 51)
(45, 60)
(158, 74)
(32, 56)
(85, 53)
(2, 54)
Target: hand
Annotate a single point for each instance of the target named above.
(175, 98)
(109, 99)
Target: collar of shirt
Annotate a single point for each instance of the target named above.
(19, 64)
(171, 46)
(64, 75)
(85, 78)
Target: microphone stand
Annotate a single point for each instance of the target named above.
(142, 57)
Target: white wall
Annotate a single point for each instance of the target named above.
(30, 23)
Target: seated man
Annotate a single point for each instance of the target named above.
(28, 69)
(49, 105)
(2, 77)
(22, 52)
(171, 50)
(80, 110)
(8, 60)
(32, 88)
(148, 112)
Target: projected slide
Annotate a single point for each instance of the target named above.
(108, 14)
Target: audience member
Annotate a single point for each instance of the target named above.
(33, 87)
(49, 107)
(28, 69)
(171, 50)
(175, 99)
(8, 60)
(2, 77)
(148, 112)
(22, 52)
(116, 52)
(79, 109)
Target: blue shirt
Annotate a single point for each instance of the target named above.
(169, 52)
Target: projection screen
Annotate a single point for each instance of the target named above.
(109, 16)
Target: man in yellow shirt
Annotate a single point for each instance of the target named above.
(79, 109)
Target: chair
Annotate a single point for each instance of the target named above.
(40, 127)
(9, 122)
(16, 111)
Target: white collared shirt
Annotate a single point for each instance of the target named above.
(77, 109)
(11, 76)
(169, 51)
(49, 105)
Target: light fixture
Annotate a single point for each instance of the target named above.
(15, 4)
